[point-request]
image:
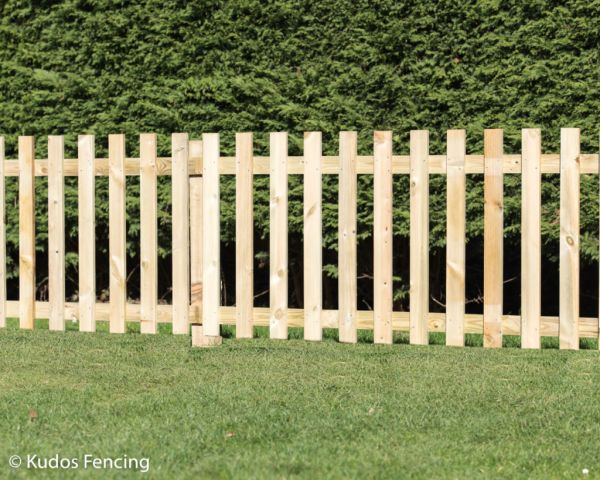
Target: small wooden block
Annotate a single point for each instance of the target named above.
(204, 341)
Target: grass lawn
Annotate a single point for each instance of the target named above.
(291, 409)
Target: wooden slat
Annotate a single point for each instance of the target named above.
(330, 165)
(493, 238)
(181, 234)
(569, 239)
(419, 236)
(56, 233)
(244, 235)
(26, 232)
(455, 243)
(196, 248)
(117, 233)
(148, 234)
(279, 236)
(382, 238)
(87, 233)
(511, 325)
(531, 242)
(211, 235)
(313, 263)
(347, 288)
(2, 239)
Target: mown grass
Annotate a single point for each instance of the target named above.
(291, 409)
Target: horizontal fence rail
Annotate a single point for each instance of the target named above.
(195, 167)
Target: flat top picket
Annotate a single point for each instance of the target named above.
(181, 234)
(56, 233)
(26, 232)
(569, 239)
(347, 288)
(244, 234)
(455, 243)
(279, 236)
(382, 238)
(531, 242)
(117, 233)
(211, 235)
(313, 268)
(87, 233)
(148, 234)
(493, 233)
(419, 237)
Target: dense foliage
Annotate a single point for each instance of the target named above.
(105, 66)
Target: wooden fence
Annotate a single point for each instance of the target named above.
(195, 167)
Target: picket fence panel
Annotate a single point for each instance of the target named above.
(195, 167)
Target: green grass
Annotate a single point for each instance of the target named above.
(291, 409)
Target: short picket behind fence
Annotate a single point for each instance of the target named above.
(195, 167)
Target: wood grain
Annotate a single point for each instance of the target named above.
(569, 239)
(117, 233)
(331, 165)
(26, 233)
(211, 235)
(455, 243)
(181, 234)
(87, 233)
(419, 237)
(56, 233)
(244, 235)
(148, 234)
(493, 234)
(382, 238)
(313, 249)
(278, 292)
(347, 281)
(531, 241)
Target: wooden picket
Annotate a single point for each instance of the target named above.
(278, 236)
(419, 236)
(244, 233)
(493, 234)
(148, 234)
(56, 233)
(347, 238)
(313, 265)
(195, 168)
(569, 239)
(531, 241)
(455, 243)
(26, 232)
(117, 233)
(211, 235)
(180, 246)
(382, 238)
(87, 233)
